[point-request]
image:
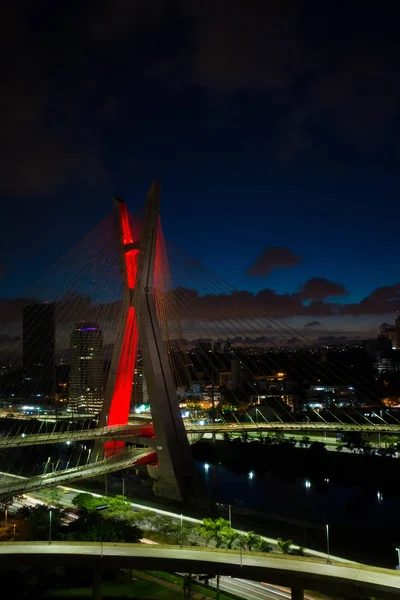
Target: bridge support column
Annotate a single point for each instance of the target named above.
(297, 593)
(96, 583)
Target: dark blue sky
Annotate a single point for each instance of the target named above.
(270, 124)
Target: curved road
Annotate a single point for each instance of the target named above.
(123, 460)
(294, 572)
(135, 433)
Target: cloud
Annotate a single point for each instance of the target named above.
(55, 100)
(382, 300)
(47, 127)
(242, 316)
(319, 288)
(273, 258)
(312, 324)
(271, 47)
(332, 338)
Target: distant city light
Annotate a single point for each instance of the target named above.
(307, 483)
(206, 466)
(251, 475)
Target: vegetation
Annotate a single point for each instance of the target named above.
(284, 545)
(221, 533)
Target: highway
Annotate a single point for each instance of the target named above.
(248, 590)
(254, 590)
(282, 570)
(122, 460)
(138, 433)
(58, 437)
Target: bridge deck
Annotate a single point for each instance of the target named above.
(145, 430)
(289, 571)
(122, 460)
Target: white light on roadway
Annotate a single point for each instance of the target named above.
(206, 466)
(251, 475)
(307, 483)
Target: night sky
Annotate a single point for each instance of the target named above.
(274, 126)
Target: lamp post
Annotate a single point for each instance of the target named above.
(50, 518)
(328, 560)
(240, 547)
(398, 559)
(102, 507)
(230, 514)
(181, 531)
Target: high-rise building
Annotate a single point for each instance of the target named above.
(139, 389)
(86, 387)
(397, 332)
(38, 351)
(389, 332)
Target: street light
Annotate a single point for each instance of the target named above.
(240, 547)
(102, 507)
(181, 531)
(229, 512)
(328, 560)
(398, 559)
(50, 517)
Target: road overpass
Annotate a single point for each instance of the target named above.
(297, 573)
(143, 433)
(122, 460)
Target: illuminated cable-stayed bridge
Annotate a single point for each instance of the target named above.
(156, 296)
(144, 434)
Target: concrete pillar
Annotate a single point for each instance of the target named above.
(297, 593)
(96, 584)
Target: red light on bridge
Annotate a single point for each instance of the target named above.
(119, 410)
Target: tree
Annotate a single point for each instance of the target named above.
(141, 518)
(118, 506)
(339, 447)
(297, 551)
(227, 537)
(87, 502)
(252, 540)
(165, 526)
(227, 437)
(284, 545)
(35, 522)
(317, 450)
(55, 495)
(241, 541)
(212, 529)
(263, 546)
(279, 437)
(186, 532)
(5, 504)
(92, 527)
(245, 436)
(305, 441)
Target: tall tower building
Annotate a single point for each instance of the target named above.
(397, 332)
(86, 391)
(38, 351)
